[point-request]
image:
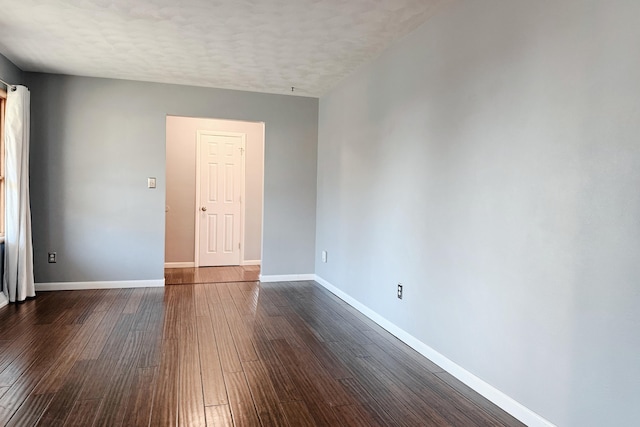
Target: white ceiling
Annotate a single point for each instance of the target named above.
(256, 45)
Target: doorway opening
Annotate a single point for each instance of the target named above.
(214, 200)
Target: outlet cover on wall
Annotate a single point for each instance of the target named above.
(52, 257)
(324, 256)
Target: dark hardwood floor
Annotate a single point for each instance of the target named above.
(234, 273)
(241, 354)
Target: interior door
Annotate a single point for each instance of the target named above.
(219, 183)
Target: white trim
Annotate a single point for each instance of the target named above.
(3, 299)
(196, 239)
(74, 286)
(243, 195)
(494, 395)
(251, 262)
(179, 264)
(287, 277)
(263, 142)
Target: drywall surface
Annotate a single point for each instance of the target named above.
(182, 133)
(9, 73)
(95, 142)
(490, 161)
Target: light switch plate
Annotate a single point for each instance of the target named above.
(151, 182)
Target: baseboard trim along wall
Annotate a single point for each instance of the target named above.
(509, 405)
(76, 286)
(179, 264)
(287, 277)
(193, 264)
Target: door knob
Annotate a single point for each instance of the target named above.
(203, 209)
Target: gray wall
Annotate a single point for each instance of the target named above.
(9, 72)
(95, 142)
(490, 162)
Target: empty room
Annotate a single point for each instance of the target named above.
(320, 213)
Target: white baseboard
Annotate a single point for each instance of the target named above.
(75, 286)
(287, 277)
(193, 264)
(494, 395)
(179, 264)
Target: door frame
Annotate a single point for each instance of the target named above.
(196, 254)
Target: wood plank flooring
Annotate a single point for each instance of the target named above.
(227, 354)
(182, 276)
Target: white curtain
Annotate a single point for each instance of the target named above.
(18, 253)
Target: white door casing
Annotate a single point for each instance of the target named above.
(219, 198)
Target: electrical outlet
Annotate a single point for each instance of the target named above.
(324, 256)
(399, 290)
(52, 257)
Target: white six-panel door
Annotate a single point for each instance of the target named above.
(219, 187)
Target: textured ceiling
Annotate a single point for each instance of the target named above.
(256, 45)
